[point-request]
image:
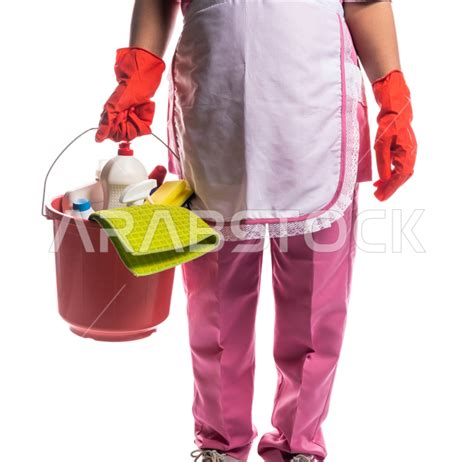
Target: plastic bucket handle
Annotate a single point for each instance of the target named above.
(45, 184)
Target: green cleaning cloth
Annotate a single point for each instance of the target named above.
(152, 238)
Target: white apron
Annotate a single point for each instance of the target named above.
(263, 114)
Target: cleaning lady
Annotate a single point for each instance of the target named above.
(268, 116)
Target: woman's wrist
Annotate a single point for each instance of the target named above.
(151, 53)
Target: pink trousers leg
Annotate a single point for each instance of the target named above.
(222, 289)
(311, 288)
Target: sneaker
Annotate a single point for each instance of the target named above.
(303, 458)
(209, 455)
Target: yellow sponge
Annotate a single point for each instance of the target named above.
(171, 193)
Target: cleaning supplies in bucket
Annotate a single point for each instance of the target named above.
(81, 208)
(119, 172)
(171, 193)
(99, 296)
(92, 192)
(158, 174)
(135, 194)
(153, 238)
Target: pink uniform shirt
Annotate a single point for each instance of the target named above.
(185, 3)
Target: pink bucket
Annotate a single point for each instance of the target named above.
(97, 295)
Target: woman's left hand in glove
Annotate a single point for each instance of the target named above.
(395, 144)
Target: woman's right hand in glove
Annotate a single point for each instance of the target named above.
(129, 111)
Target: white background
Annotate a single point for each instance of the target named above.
(405, 381)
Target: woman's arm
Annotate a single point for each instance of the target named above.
(152, 24)
(372, 27)
(373, 31)
(129, 111)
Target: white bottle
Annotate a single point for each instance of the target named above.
(93, 192)
(81, 208)
(118, 173)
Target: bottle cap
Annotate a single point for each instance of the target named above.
(158, 174)
(81, 205)
(124, 149)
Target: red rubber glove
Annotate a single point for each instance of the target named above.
(395, 144)
(129, 111)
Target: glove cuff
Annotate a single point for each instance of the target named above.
(140, 70)
(391, 92)
(125, 50)
(386, 76)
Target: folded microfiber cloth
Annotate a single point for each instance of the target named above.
(152, 238)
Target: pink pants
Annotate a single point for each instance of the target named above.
(311, 290)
